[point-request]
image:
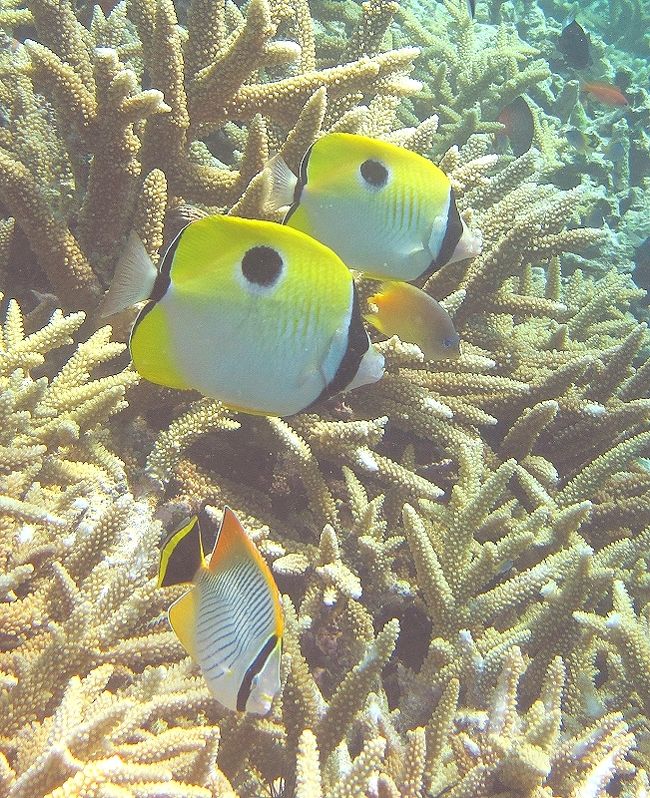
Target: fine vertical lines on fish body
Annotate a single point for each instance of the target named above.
(406, 191)
(227, 618)
(398, 213)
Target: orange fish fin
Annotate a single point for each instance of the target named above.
(233, 541)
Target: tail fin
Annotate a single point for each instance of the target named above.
(134, 278)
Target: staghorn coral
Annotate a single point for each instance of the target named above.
(52, 446)
(223, 90)
(102, 655)
(533, 437)
(448, 540)
(74, 547)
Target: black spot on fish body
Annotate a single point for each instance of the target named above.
(262, 265)
(374, 173)
(574, 45)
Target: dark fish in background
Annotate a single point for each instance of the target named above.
(641, 272)
(580, 140)
(574, 45)
(517, 119)
(471, 7)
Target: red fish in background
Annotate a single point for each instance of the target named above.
(605, 93)
(517, 119)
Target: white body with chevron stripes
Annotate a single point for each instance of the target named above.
(230, 621)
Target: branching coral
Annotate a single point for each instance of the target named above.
(222, 90)
(448, 539)
(468, 77)
(534, 438)
(76, 605)
(52, 445)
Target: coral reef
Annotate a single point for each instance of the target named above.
(225, 89)
(462, 547)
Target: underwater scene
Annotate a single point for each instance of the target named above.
(324, 399)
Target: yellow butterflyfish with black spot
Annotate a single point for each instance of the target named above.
(230, 621)
(386, 211)
(255, 314)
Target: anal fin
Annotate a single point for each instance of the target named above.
(182, 617)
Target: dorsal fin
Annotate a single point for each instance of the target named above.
(283, 183)
(133, 280)
(181, 554)
(233, 542)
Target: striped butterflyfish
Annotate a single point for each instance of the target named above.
(230, 621)
(253, 313)
(386, 211)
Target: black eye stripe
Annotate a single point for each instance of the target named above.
(374, 173)
(262, 266)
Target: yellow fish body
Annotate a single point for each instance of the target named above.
(255, 314)
(384, 210)
(402, 309)
(230, 620)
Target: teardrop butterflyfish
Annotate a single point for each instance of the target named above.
(386, 211)
(255, 314)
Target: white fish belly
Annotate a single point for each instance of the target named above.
(235, 617)
(250, 359)
(374, 237)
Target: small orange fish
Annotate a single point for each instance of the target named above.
(605, 92)
(402, 309)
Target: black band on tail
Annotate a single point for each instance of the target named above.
(453, 233)
(244, 692)
(357, 347)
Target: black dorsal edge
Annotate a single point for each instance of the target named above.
(163, 278)
(301, 183)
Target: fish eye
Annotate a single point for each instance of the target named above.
(374, 173)
(261, 266)
(449, 342)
